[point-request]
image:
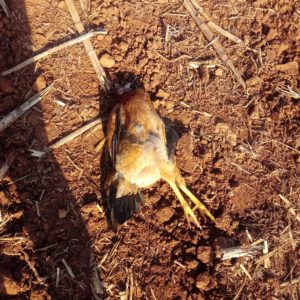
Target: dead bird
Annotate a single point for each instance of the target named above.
(141, 147)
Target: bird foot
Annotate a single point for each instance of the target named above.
(197, 202)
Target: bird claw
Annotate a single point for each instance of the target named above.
(189, 213)
(198, 203)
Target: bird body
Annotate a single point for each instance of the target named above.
(141, 147)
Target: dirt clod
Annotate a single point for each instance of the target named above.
(204, 282)
(62, 213)
(290, 68)
(6, 85)
(229, 134)
(162, 94)
(8, 285)
(165, 214)
(3, 198)
(219, 72)
(204, 254)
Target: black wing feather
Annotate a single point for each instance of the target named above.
(116, 137)
(122, 208)
(171, 137)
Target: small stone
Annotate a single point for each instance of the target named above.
(39, 84)
(119, 58)
(62, 213)
(190, 250)
(192, 264)
(165, 214)
(272, 34)
(6, 85)
(204, 282)
(123, 47)
(107, 61)
(61, 4)
(162, 94)
(219, 72)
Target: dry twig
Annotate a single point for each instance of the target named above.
(294, 281)
(32, 267)
(239, 290)
(266, 251)
(19, 111)
(57, 276)
(287, 90)
(6, 165)
(217, 28)
(245, 271)
(266, 256)
(75, 134)
(97, 284)
(234, 252)
(200, 21)
(289, 206)
(39, 56)
(88, 46)
(4, 6)
(68, 268)
(153, 295)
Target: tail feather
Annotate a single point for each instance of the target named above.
(121, 208)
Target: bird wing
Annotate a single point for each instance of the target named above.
(171, 138)
(123, 201)
(115, 127)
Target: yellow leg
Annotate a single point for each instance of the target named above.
(197, 202)
(187, 210)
